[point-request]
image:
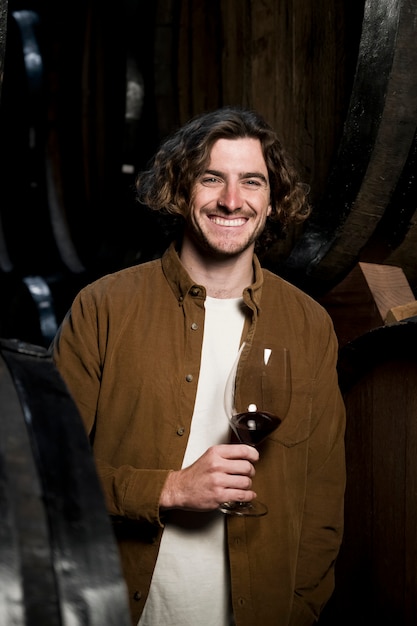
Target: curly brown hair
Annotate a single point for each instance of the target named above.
(167, 185)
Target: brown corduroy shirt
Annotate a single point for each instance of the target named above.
(129, 351)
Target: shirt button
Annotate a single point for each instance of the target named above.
(137, 596)
(189, 378)
(194, 326)
(241, 602)
(180, 431)
(195, 291)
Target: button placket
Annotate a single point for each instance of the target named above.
(194, 327)
(193, 310)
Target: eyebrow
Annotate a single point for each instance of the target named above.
(242, 175)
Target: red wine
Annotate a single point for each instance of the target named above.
(252, 427)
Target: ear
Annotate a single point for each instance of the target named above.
(269, 210)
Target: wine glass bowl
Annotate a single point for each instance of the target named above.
(264, 384)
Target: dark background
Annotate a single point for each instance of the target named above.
(90, 89)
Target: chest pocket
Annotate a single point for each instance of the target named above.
(296, 426)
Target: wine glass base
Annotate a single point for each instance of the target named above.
(244, 509)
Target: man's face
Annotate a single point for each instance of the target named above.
(231, 199)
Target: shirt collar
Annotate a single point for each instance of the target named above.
(182, 284)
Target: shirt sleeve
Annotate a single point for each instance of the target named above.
(78, 351)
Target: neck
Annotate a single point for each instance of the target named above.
(222, 277)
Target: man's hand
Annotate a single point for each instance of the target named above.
(223, 473)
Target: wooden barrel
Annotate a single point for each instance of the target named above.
(376, 575)
(369, 204)
(59, 563)
(34, 230)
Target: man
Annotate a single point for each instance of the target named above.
(146, 352)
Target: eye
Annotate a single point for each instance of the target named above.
(252, 182)
(210, 180)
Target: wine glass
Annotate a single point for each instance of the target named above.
(263, 403)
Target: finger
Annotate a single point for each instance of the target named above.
(240, 468)
(238, 495)
(243, 483)
(240, 451)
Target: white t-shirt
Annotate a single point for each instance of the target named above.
(191, 583)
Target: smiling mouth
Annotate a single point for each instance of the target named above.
(221, 221)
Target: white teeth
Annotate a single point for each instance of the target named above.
(233, 222)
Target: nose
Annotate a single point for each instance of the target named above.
(230, 197)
